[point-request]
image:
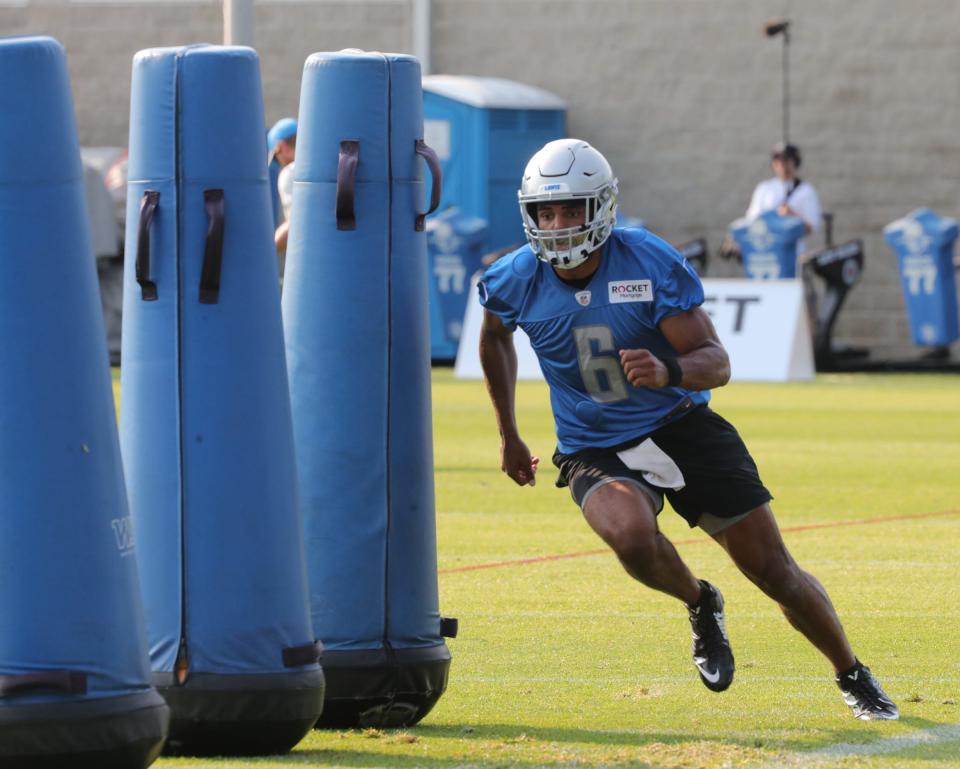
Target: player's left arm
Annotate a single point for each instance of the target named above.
(702, 361)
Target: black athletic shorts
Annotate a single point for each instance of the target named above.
(698, 461)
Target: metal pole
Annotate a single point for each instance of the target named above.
(421, 34)
(772, 28)
(786, 85)
(238, 22)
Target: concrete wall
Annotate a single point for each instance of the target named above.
(101, 39)
(683, 96)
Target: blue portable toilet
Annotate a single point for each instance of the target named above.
(484, 130)
(768, 245)
(74, 681)
(358, 350)
(455, 247)
(206, 430)
(923, 243)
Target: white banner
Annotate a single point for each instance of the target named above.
(762, 324)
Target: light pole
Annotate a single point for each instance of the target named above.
(238, 22)
(421, 34)
(773, 28)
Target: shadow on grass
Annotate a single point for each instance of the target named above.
(469, 744)
(492, 746)
(849, 731)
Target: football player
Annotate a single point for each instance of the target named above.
(615, 318)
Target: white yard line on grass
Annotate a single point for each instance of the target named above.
(680, 678)
(823, 757)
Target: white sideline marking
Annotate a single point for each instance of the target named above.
(630, 678)
(821, 757)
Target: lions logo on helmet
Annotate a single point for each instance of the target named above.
(568, 170)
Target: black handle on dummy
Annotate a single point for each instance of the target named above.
(213, 250)
(346, 184)
(298, 656)
(148, 207)
(433, 163)
(68, 681)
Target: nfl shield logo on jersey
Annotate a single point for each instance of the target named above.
(583, 298)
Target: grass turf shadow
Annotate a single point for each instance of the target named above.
(547, 746)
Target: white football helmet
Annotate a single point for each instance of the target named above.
(568, 169)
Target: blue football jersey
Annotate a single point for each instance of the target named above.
(577, 333)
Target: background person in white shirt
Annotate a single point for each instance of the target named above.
(786, 193)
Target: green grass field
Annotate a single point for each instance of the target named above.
(567, 663)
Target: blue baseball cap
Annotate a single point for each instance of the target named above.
(284, 128)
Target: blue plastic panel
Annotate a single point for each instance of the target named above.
(150, 408)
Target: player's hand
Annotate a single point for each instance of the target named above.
(517, 462)
(643, 368)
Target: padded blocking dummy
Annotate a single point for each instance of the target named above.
(358, 351)
(768, 245)
(206, 434)
(74, 679)
(923, 243)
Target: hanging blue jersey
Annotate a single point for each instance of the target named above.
(577, 333)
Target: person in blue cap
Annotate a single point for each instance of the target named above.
(615, 318)
(282, 144)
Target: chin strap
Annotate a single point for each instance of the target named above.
(570, 264)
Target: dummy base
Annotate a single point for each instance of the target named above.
(240, 715)
(380, 688)
(125, 732)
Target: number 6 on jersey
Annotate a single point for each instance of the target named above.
(601, 372)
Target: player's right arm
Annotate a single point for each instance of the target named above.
(498, 359)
